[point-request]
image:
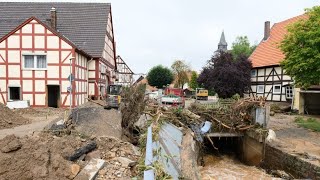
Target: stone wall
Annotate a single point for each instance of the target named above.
(276, 159)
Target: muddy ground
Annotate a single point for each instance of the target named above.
(10, 119)
(44, 155)
(294, 139)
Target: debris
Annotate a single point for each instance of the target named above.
(125, 162)
(10, 143)
(206, 126)
(75, 169)
(90, 171)
(281, 174)
(93, 155)
(83, 150)
(271, 136)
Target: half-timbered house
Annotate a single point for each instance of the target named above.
(268, 79)
(42, 44)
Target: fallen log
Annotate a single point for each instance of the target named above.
(83, 150)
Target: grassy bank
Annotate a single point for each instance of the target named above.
(309, 123)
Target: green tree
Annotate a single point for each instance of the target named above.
(193, 81)
(180, 70)
(301, 47)
(159, 76)
(241, 46)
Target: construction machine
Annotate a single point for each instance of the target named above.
(201, 94)
(113, 96)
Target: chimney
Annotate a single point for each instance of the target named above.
(266, 30)
(53, 19)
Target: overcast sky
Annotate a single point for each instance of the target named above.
(152, 32)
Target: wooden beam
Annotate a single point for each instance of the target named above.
(225, 134)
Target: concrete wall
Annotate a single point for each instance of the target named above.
(252, 148)
(276, 159)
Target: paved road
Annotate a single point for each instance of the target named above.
(27, 129)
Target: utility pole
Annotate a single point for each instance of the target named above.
(70, 80)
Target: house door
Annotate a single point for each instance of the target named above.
(53, 95)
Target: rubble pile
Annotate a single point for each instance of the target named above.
(10, 119)
(121, 158)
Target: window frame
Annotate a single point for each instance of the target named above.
(255, 73)
(9, 92)
(260, 91)
(35, 60)
(273, 89)
(286, 90)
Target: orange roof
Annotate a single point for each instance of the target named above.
(267, 52)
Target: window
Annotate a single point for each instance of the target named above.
(253, 73)
(289, 92)
(14, 93)
(276, 89)
(260, 89)
(35, 61)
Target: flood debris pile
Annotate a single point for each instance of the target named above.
(239, 116)
(132, 106)
(10, 119)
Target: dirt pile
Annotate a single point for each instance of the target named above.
(10, 119)
(40, 157)
(92, 119)
(39, 112)
(46, 157)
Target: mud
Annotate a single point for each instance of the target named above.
(10, 119)
(41, 157)
(228, 167)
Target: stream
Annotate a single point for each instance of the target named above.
(228, 167)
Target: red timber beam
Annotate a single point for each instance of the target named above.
(74, 81)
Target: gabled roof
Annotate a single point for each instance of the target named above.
(84, 24)
(268, 52)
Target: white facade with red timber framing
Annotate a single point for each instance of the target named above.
(38, 54)
(51, 66)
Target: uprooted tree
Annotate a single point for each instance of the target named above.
(226, 75)
(160, 76)
(301, 49)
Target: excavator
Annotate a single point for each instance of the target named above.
(113, 96)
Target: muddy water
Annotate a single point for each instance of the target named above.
(227, 167)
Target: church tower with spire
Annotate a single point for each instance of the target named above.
(223, 45)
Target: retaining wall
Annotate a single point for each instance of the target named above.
(276, 159)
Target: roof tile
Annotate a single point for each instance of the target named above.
(267, 52)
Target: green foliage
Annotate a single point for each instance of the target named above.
(160, 76)
(310, 123)
(241, 46)
(301, 47)
(193, 81)
(180, 70)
